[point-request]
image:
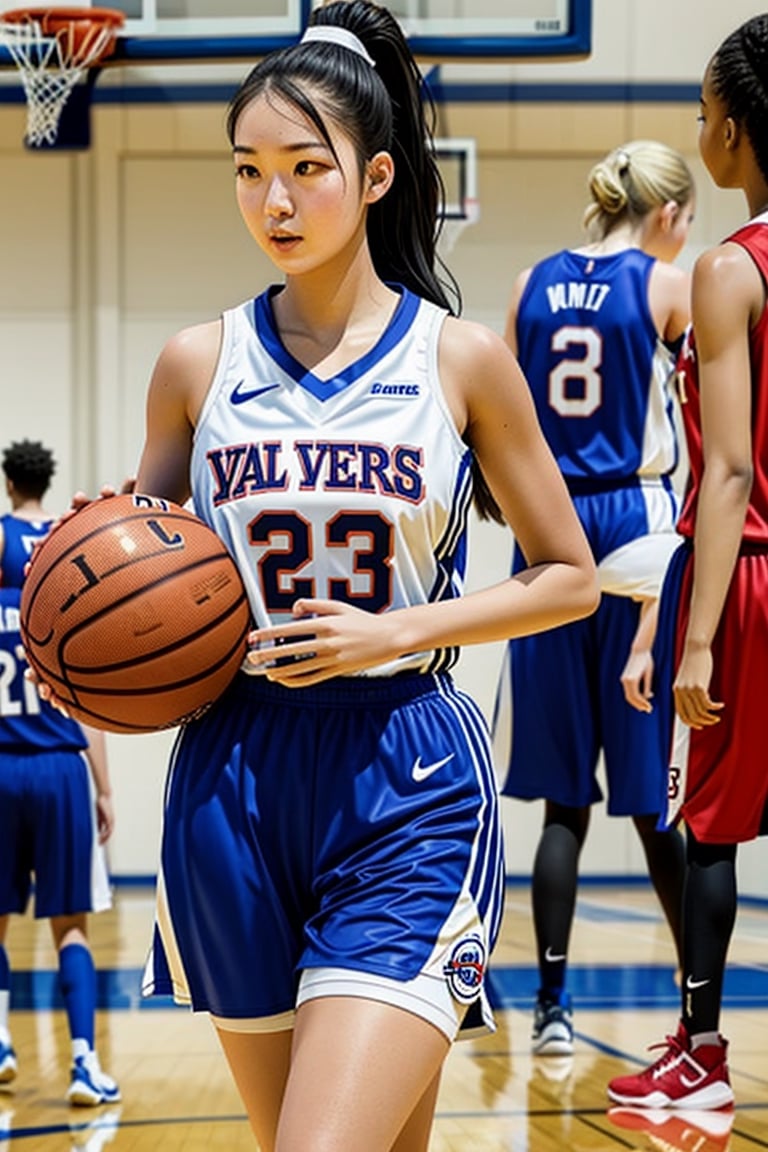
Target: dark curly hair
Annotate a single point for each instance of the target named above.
(29, 465)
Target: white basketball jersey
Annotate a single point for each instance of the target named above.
(355, 488)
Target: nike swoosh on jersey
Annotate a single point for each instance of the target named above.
(421, 771)
(242, 397)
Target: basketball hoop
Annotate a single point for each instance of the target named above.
(53, 48)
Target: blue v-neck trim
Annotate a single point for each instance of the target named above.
(264, 320)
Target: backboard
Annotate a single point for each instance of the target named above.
(179, 30)
(187, 51)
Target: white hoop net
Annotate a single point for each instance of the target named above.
(50, 67)
(453, 226)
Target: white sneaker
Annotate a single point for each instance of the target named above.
(90, 1086)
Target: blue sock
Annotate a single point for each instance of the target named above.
(77, 975)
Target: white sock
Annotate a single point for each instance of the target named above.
(80, 1048)
(705, 1038)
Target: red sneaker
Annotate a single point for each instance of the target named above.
(679, 1078)
(687, 1130)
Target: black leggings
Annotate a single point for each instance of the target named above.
(709, 914)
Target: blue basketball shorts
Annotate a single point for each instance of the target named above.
(48, 828)
(559, 700)
(336, 840)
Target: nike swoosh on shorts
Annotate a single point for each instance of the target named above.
(421, 771)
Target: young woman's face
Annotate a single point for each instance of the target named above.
(303, 205)
(712, 133)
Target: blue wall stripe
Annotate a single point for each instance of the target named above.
(443, 93)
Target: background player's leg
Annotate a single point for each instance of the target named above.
(665, 857)
(553, 893)
(259, 1062)
(8, 1065)
(710, 914)
(77, 977)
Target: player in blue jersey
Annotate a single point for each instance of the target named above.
(595, 329)
(55, 799)
(331, 875)
(28, 467)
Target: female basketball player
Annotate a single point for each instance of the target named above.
(595, 328)
(713, 626)
(331, 866)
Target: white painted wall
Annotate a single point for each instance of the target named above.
(106, 253)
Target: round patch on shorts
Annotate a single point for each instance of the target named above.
(464, 971)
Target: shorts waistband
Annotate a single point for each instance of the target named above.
(746, 547)
(343, 691)
(599, 485)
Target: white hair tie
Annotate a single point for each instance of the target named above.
(333, 34)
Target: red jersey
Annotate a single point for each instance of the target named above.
(753, 237)
(719, 772)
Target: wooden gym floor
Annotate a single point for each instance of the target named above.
(495, 1096)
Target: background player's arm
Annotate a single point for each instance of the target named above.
(669, 293)
(510, 328)
(637, 676)
(96, 754)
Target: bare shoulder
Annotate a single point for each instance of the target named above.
(471, 345)
(727, 283)
(670, 274)
(727, 261)
(190, 346)
(186, 365)
(479, 373)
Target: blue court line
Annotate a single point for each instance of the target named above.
(593, 987)
(622, 986)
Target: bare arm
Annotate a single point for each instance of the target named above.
(670, 303)
(178, 387)
(728, 296)
(510, 328)
(669, 294)
(96, 753)
(637, 676)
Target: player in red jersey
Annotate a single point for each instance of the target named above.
(713, 623)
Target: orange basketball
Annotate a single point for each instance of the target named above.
(134, 613)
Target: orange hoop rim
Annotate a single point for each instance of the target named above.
(57, 18)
